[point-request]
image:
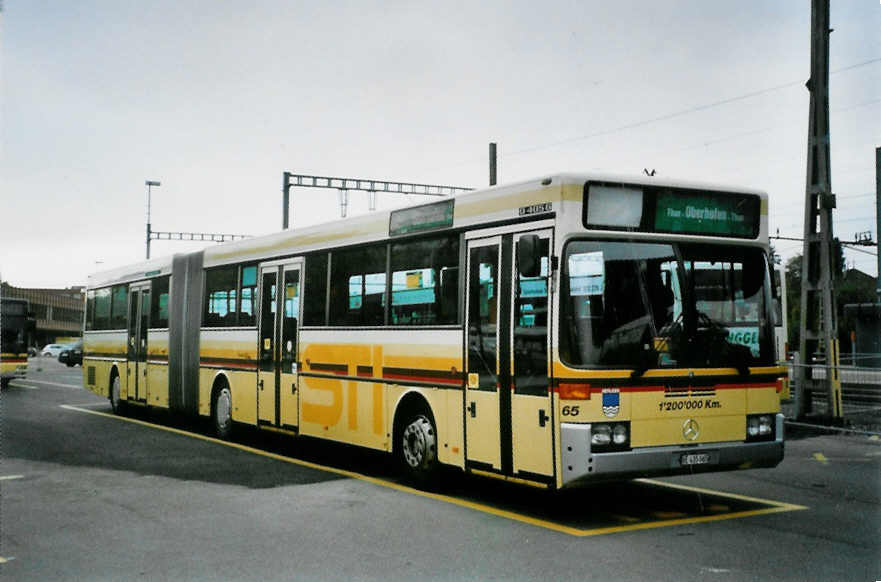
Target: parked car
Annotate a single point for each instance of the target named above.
(52, 350)
(72, 354)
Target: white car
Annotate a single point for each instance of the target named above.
(52, 350)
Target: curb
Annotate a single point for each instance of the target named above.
(823, 428)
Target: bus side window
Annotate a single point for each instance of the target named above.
(315, 302)
(425, 281)
(248, 296)
(220, 297)
(358, 287)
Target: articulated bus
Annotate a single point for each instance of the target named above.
(16, 325)
(552, 332)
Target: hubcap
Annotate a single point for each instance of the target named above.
(419, 446)
(114, 393)
(223, 409)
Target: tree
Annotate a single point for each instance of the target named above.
(851, 286)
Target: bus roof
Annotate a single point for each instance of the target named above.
(485, 205)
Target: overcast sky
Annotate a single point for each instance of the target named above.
(217, 99)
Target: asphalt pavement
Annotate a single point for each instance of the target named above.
(85, 495)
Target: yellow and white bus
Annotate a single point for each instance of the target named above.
(16, 326)
(555, 331)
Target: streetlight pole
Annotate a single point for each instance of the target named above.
(149, 184)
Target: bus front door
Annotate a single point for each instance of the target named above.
(277, 392)
(508, 401)
(138, 322)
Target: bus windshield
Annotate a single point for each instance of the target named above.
(662, 305)
(12, 335)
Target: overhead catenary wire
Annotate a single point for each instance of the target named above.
(687, 111)
(680, 113)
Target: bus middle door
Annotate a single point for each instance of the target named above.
(138, 322)
(277, 353)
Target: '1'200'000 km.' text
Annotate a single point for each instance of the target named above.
(689, 405)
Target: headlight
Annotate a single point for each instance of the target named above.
(600, 434)
(609, 436)
(752, 426)
(760, 427)
(619, 434)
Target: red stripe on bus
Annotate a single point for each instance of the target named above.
(424, 379)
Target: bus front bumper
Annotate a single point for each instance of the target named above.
(581, 465)
(18, 373)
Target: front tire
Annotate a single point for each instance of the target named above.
(222, 412)
(418, 448)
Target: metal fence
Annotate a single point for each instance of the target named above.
(860, 383)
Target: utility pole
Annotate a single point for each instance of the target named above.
(493, 164)
(149, 184)
(878, 218)
(818, 326)
(195, 236)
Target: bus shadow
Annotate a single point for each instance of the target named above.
(607, 507)
(588, 508)
(303, 461)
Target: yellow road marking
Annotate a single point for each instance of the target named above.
(821, 458)
(668, 514)
(776, 506)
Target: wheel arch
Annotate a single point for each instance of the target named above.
(220, 380)
(114, 373)
(410, 403)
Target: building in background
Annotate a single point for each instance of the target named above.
(58, 312)
(866, 329)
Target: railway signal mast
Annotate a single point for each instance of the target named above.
(818, 326)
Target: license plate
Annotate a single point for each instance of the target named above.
(694, 459)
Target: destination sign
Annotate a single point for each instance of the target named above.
(697, 213)
(648, 208)
(421, 218)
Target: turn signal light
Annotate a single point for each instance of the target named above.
(574, 391)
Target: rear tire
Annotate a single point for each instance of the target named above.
(222, 412)
(116, 402)
(417, 448)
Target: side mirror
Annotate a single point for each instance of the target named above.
(529, 255)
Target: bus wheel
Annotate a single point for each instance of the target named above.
(418, 446)
(223, 412)
(116, 402)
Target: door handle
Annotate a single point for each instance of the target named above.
(293, 388)
(473, 410)
(543, 418)
(260, 384)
